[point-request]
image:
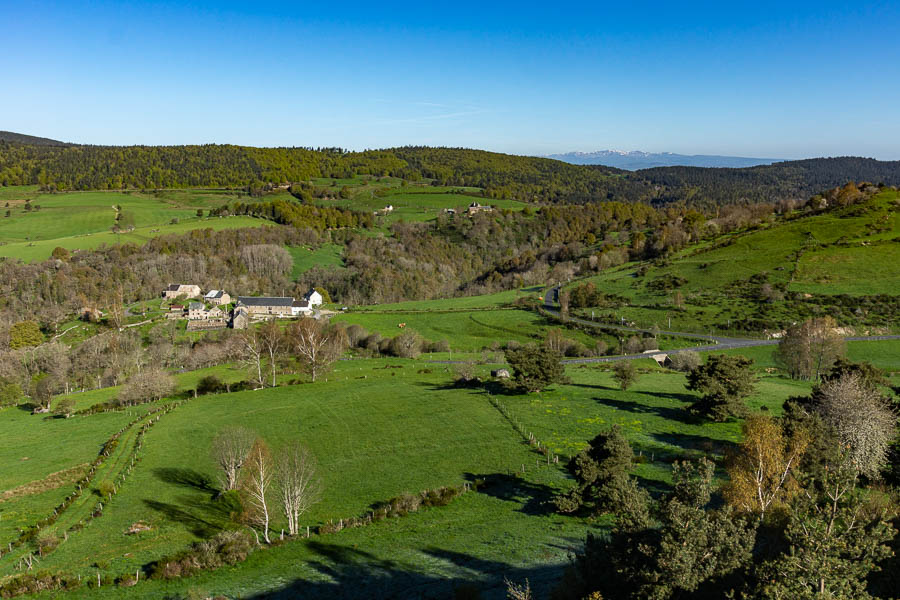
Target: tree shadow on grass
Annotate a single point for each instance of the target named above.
(534, 498)
(348, 573)
(679, 415)
(186, 478)
(490, 387)
(192, 517)
(694, 443)
(677, 396)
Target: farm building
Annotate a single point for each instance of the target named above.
(262, 305)
(197, 310)
(217, 297)
(241, 318)
(178, 290)
(476, 208)
(313, 297)
(301, 307)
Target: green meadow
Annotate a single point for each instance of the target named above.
(42, 249)
(326, 255)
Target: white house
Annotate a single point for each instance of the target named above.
(313, 297)
(300, 308)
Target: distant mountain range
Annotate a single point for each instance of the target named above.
(636, 160)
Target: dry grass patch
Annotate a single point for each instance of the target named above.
(50, 482)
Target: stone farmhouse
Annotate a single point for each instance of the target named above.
(178, 290)
(211, 312)
(217, 297)
(477, 208)
(267, 306)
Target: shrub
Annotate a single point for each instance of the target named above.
(210, 385)
(225, 548)
(46, 540)
(439, 346)
(685, 361)
(357, 335)
(406, 345)
(106, 489)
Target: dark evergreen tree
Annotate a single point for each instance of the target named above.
(724, 381)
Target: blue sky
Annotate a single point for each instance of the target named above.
(752, 79)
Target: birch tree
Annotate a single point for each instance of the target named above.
(272, 341)
(257, 478)
(252, 352)
(299, 486)
(316, 345)
(230, 449)
(762, 470)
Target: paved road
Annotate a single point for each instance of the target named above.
(720, 342)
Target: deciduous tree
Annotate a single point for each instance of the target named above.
(258, 473)
(298, 483)
(316, 345)
(762, 470)
(229, 450)
(862, 418)
(809, 349)
(625, 373)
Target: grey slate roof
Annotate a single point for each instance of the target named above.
(196, 306)
(264, 301)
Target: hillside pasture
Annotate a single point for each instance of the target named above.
(327, 255)
(374, 437)
(41, 249)
(465, 331)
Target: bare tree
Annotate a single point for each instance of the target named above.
(229, 450)
(273, 342)
(115, 307)
(267, 260)
(316, 345)
(299, 486)
(258, 476)
(862, 418)
(147, 386)
(252, 352)
(809, 349)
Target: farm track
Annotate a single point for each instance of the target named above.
(114, 469)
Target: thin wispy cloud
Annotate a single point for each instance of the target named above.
(450, 112)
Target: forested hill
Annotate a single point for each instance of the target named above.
(73, 167)
(21, 138)
(768, 183)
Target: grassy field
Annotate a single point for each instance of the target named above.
(31, 454)
(414, 203)
(478, 540)
(375, 438)
(461, 303)
(465, 331)
(327, 255)
(83, 220)
(41, 249)
(826, 254)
